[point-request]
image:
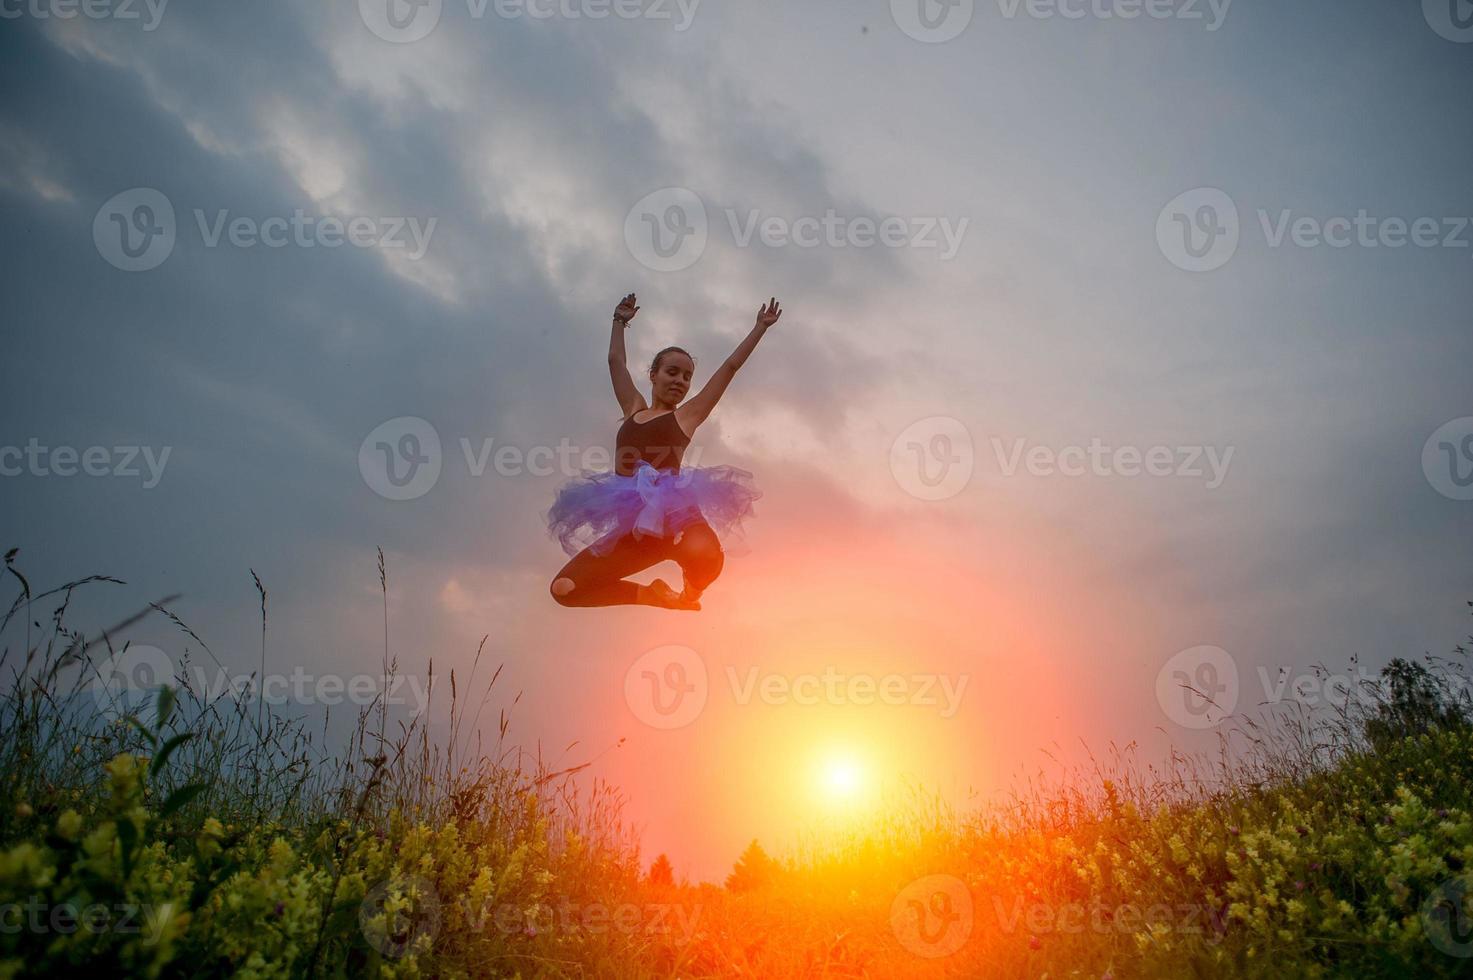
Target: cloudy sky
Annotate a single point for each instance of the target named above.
(1108, 340)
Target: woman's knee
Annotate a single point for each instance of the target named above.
(562, 589)
(699, 547)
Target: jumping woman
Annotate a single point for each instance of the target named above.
(649, 508)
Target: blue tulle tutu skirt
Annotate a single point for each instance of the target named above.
(595, 510)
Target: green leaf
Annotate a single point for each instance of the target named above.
(181, 798)
(163, 708)
(167, 750)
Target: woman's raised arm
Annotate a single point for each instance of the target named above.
(630, 400)
(695, 411)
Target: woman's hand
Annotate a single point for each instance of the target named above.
(769, 314)
(626, 309)
(630, 400)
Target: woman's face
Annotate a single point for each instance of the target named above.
(671, 380)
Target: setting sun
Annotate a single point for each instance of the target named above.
(842, 780)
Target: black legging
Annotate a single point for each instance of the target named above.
(600, 580)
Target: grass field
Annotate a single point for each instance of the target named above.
(178, 836)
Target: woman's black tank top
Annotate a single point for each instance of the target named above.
(659, 441)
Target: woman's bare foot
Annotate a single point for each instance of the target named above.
(659, 593)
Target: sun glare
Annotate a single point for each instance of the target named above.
(842, 779)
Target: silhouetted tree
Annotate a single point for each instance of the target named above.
(752, 870)
(661, 873)
(1416, 703)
